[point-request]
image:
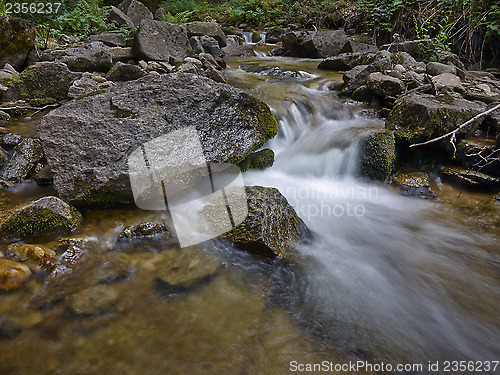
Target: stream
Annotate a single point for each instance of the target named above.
(388, 278)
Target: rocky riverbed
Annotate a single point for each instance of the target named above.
(103, 286)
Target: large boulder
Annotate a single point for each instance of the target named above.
(356, 47)
(17, 38)
(272, 226)
(135, 10)
(118, 17)
(206, 28)
(23, 161)
(314, 44)
(42, 80)
(158, 41)
(236, 46)
(46, 216)
(378, 154)
(85, 57)
(87, 142)
(419, 118)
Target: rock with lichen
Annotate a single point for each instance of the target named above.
(378, 154)
(46, 216)
(272, 227)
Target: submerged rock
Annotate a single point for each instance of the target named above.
(230, 124)
(180, 270)
(13, 274)
(46, 216)
(415, 184)
(37, 258)
(23, 161)
(93, 300)
(269, 71)
(272, 226)
(9, 328)
(378, 154)
(418, 118)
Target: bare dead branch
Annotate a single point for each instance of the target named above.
(465, 124)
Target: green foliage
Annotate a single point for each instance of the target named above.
(178, 18)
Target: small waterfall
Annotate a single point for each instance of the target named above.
(247, 36)
(387, 275)
(263, 36)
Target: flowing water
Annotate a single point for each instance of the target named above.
(387, 278)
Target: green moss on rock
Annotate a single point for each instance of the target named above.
(378, 155)
(257, 160)
(46, 216)
(419, 118)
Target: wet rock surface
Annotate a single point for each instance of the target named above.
(414, 184)
(272, 226)
(13, 274)
(378, 154)
(23, 161)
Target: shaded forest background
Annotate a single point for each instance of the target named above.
(470, 28)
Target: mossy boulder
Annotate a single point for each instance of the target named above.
(42, 80)
(23, 161)
(378, 154)
(257, 160)
(46, 216)
(87, 142)
(17, 38)
(420, 117)
(272, 226)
